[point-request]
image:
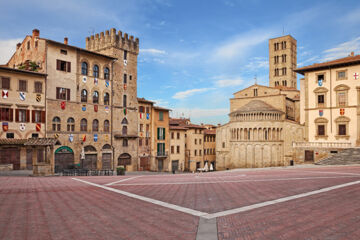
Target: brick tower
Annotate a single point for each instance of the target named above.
(124, 93)
(282, 62)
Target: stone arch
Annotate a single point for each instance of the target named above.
(341, 87)
(124, 159)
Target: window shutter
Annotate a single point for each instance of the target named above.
(67, 94)
(163, 133)
(43, 116)
(57, 93)
(27, 116)
(158, 133)
(33, 116)
(58, 64)
(16, 115)
(68, 66)
(11, 112)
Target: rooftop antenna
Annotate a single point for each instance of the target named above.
(255, 79)
(91, 31)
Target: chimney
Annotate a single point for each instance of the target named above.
(66, 40)
(36, 33)
(352, 54)
(18, 46)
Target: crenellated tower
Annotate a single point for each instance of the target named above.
(124, 92)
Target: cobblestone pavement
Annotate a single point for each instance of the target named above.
(169, 206)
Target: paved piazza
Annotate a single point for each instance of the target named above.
(280, 203)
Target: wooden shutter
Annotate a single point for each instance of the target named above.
(11, 112)
(158, 133)
(16, 115)
(27, 116)
(57, 93)
(58, 64)
(43, 117)
(163, 133)
(33, 116)
(67, 94)
(68, 66)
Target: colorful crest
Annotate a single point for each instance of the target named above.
(38, 127)
(62, 105)
(107, 83)
(125, 86)
(125, 62)
(83, 108)
(320, 82)
(107, 109)
(148, 116)
(84, 79)
(22, 96)
(5, 94)
(125, 111)
(321, 113)
(71, 138)
(38, 97)
(96, 81)
(84, 137)
(356, 76)
(5, 126)
(342, 111)
(95, 137)
(141, 115)
(56, 135)
(22, 127)
(95, 108)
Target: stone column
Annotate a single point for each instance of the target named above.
(51, 158)
(22, 157)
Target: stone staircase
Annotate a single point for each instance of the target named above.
(346, 157)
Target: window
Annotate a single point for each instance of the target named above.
(125, 78)
(223, 144)
(146, 141)
(172, 135)
(62, 93)
(161, 149)
(96, 71)
(124, 101)
(83, 125)
(161, 133)
(321, 99)
(177, 149)
(70, 125)
(320, 79)
(141, 109)
(199, 152)
(199, 141)
(195, 152)
(147, 109)
(130, 77)
(83, 95)
(96, 97)
(106, 99)
(63, 66)
(22, 115)
(172, 150)
(6, 114)
(9, 135)
(341, 75)
(342, 129)
(28, 45)
(106, 73)
(321, 130)
(124, 121)
(124, 130)
(62, 51)
(56, 124)
(161, 116)
(34, 135)
(106, 126)
(283, 71)
(38, 116)
(95, 125)
(5, 83)
(141, 127)
(125, 142)
(23, 85)
(125, 55)
(255, 92)
(342, 99)
(38, 87)
(140, 141)
(283, 58)
(195, 141)
(84, 68)
(178, 135)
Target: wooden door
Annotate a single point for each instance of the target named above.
(106, 161)
(309, 156)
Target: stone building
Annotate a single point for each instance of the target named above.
(91, 102)
(177, 144)
(330, 108)
(210, 146)
(264, 121)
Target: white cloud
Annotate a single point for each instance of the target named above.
(342, 50)
(352, 17)
(229, 82)
(153, 51)
(160, 102)
(257, 63)
(199, 112)
(188, 93)
(7, 49)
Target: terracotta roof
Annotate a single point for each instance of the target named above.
(256, 106)
(178, 121)
(194, 126)
(350, 60)
(286, 88)
(210, 132)
(172, 127)
(21, 71)
(42, 142)
(12, 141)
(144, 100)
(161, 108)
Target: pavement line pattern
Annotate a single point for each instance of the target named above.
(150, 200)
(268, 203)
(122, 180)
(229, 181)
(339, 173)
(207, 229)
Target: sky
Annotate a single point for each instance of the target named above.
(194, 54)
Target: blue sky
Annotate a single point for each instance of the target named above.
(194, 54)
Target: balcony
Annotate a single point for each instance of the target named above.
(162, 154)
(321, 145)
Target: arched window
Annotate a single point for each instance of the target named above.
(106, 73)
(124, 130)
(106, 98)
(96, 71)
(96, 97)
(106, 126)
(83, 95)
(124, 121)
(56, 124)
(84, 68)
(95, 125)
(83, 125)
(124, 101)
(70, 125)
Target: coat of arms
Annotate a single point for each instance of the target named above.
(38, 97)
(38, 127)
(71, 138)
(95, 108)
(5, 94)
(22, 127)
(62, 105)
(320, 82)
(5, 126)
(22, 96)
(95, 137)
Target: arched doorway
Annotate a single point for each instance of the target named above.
(124, 160)
(106, 157)
(64, 158)
(90, 160)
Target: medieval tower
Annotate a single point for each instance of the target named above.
(282, 62)
(124, 92)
